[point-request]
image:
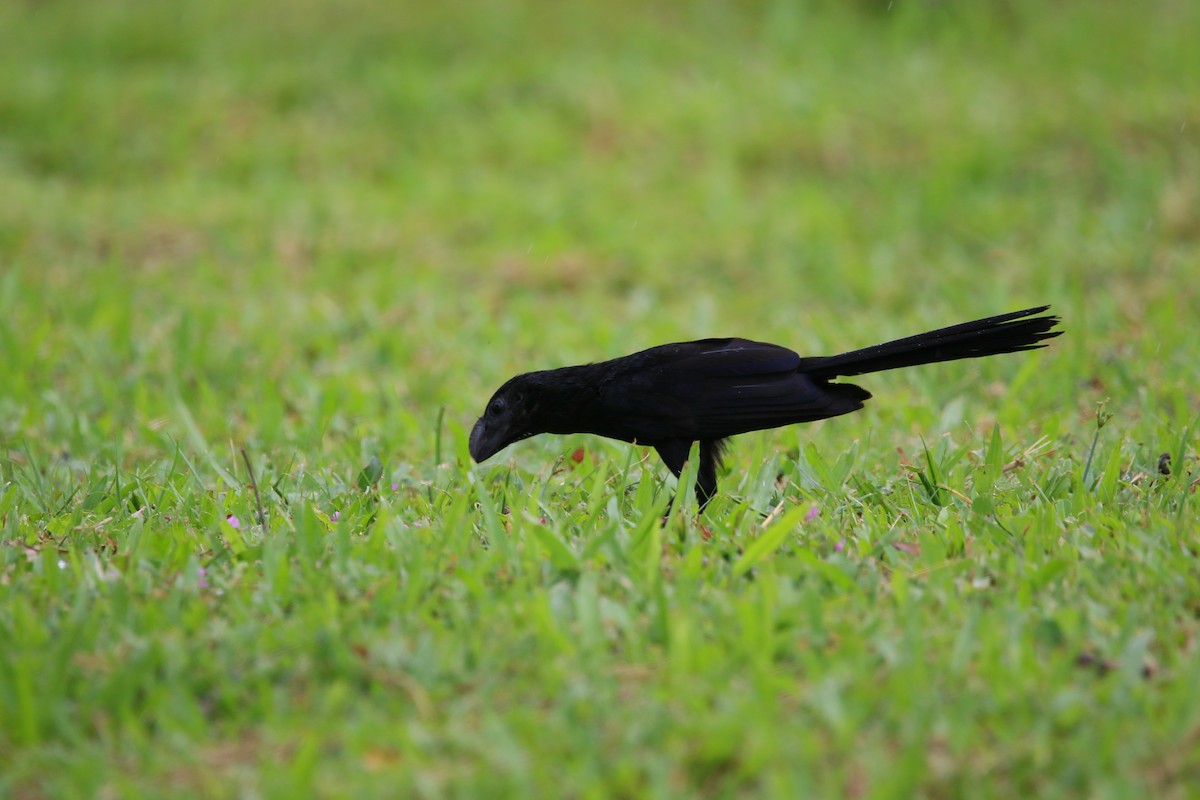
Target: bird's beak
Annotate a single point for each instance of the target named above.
(482, 445)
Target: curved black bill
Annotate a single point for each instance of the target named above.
(480, 444)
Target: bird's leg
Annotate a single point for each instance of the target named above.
(674, 454)
(706, 476)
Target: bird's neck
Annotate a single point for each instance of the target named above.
(569, 399)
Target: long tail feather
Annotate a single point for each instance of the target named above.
(1006, 333)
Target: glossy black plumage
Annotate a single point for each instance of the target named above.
(705, 391)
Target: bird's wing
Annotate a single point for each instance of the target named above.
(713, 388)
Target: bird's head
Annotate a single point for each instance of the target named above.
(509, 417)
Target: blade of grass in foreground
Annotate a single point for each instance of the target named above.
(768, 541)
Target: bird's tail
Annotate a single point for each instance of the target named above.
(1006, 333)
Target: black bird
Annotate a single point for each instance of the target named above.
(672, 395)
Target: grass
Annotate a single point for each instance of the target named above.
(280, 254)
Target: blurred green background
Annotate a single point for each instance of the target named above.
(248, 196)
(325, 231)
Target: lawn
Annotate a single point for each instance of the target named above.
(262, 265)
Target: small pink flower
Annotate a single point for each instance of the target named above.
(200, 573)
(233, 521)
(812, 514)
(840, 546)
(395, 486)
(336, 516)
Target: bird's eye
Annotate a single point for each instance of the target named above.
(496, 408)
